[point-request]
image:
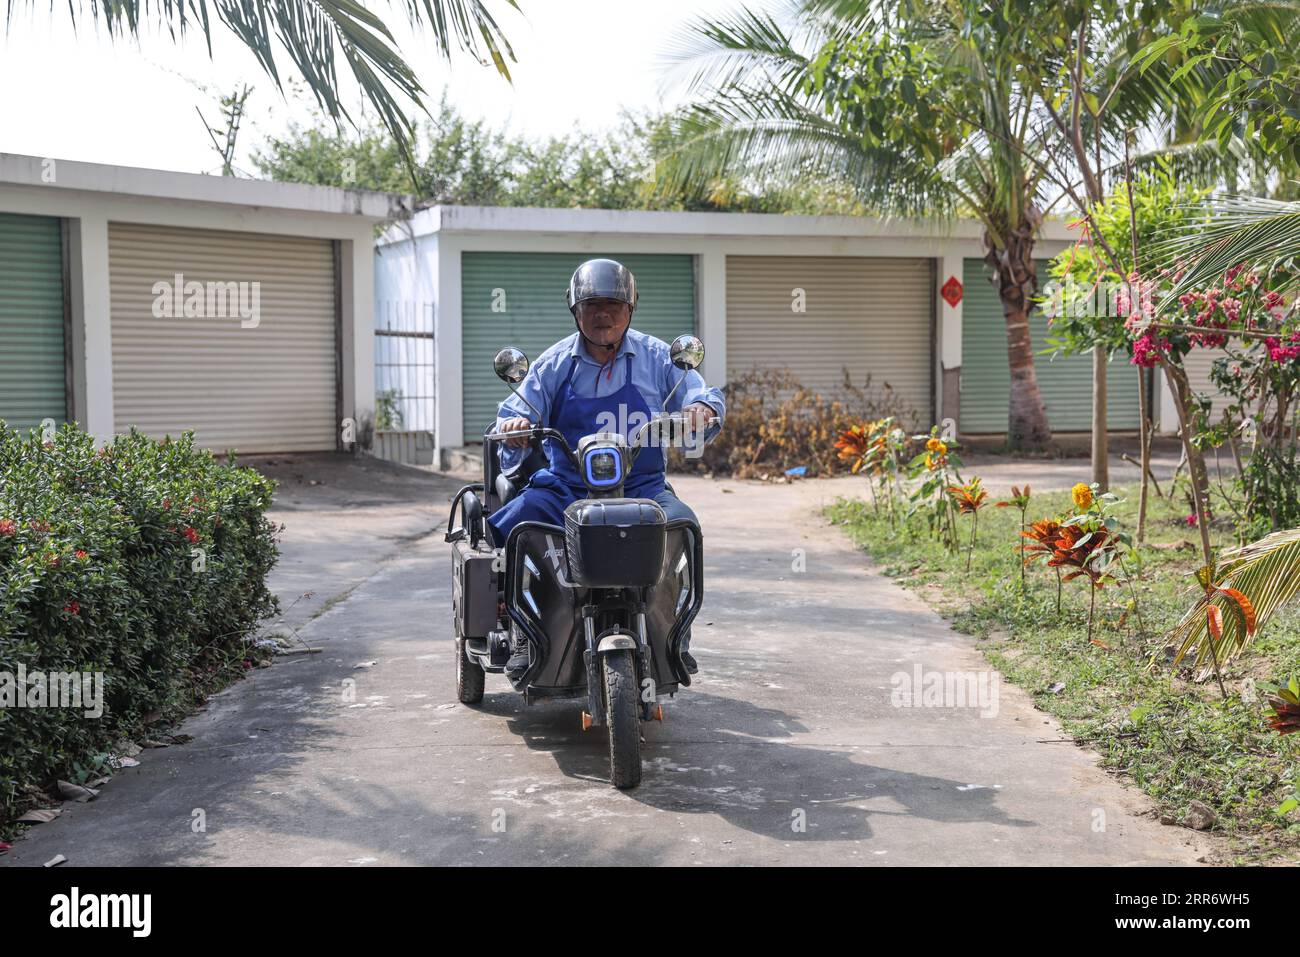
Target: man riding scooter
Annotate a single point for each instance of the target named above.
(604, 377)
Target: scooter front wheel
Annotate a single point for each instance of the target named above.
(469, 676)
(623, 716)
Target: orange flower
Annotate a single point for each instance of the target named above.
(1082, 496)
(853, 445)
(969, 497)
(1042, 536)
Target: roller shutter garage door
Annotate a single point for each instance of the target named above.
(259, 385)
(872, 316)
(511, 298)
(1065, 382)
(1197, 364)
(33, 368)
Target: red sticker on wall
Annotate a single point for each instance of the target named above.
(951, 291)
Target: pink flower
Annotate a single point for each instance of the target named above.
(1148, 350)
(1280, 353)
(8, 526)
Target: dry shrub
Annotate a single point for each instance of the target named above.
(775, 423)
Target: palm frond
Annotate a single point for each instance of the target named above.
(315, 35)
(773, 136)
(734, 48)
(1242, 229)
(1267, 572)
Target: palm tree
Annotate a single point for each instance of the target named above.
(315, 34)
(924, 107)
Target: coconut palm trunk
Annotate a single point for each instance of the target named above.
(1016, 282)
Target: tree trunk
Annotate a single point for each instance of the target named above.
(1100, 450)
(1144, 413)
(1016, 281)
(1195, 460)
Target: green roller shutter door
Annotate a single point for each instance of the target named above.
(518, 299)
(1064, 381)
(33, 370)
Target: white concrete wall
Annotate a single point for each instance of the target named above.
(948, 348)
(443, 233)
(88, 214)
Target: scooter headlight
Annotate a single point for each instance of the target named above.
(604, 467)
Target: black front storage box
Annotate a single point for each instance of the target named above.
(614, 542)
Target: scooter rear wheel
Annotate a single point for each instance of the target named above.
(469, 677)
(623, 715)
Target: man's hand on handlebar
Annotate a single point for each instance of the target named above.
(698, 415)
(517, 424)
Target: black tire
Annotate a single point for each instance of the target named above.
(623, 714)
(469, 677)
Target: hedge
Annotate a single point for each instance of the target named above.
(145, 561)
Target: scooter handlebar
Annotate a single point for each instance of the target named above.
(673, 422)
(538, 432)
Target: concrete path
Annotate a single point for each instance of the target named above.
(788, 749)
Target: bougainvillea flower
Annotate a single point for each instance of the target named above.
(1284, 353)
(1148, 350)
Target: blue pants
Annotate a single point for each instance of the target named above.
(545, 498)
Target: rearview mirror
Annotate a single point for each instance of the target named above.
(687, 352)
(510, 365)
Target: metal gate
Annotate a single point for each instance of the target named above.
(405, 384)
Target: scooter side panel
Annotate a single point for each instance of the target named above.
(672, 603)
(546, 606)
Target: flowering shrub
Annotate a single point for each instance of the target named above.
(877, 448)
(969, 499)
(935, 469)
(146, 561)
(1086, 543)
(1249, 315)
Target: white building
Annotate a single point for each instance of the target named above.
(167, 301)
(815, 293)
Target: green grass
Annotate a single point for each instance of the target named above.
(1173, 737)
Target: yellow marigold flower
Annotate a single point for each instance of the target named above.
(930, 463)
(936, 445)
(1082, 496)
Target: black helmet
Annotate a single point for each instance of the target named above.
(601, 279)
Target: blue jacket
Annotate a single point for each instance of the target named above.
(653, 374)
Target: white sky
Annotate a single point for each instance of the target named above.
(80, 96)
